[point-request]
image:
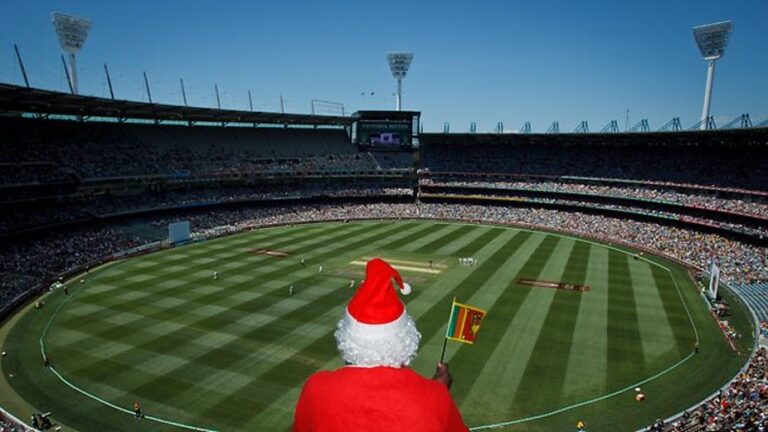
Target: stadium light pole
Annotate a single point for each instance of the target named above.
(21, 65)
(72, 32)
(109, 82)
(712, 40)
(399, 62)
(183, 92)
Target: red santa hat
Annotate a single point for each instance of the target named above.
(376, 302)
(376, 329)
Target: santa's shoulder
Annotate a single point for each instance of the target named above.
(352, 375)
(320, 377)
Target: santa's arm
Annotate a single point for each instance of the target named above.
(302, 417)
(455, 422)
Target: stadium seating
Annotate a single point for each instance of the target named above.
(714, 165)
(751, 204)
(98, 149)
(756, 296)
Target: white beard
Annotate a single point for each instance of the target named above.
(396, 349)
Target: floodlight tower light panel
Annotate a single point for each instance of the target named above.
(399, 63)
(71, 30)
(713, 38)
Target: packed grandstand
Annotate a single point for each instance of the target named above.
(78, 193)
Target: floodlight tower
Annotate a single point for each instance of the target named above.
(712, 40)
(399, 62)
(72, 32)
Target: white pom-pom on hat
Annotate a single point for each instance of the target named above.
(406, 289)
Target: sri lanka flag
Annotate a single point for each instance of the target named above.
(464, 322)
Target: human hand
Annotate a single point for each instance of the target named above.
(443, 375)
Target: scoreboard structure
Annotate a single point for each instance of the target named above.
(386, 130)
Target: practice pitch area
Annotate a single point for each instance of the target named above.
(232, 353)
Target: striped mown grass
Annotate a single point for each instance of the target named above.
(232, 353)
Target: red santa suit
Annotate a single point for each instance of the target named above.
(375, 399)
(376, 391)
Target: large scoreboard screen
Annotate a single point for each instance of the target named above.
(386, 130)
(384, 134)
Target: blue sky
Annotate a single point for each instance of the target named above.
(482, 61)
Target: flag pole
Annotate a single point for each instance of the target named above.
(445, 339)
(445, 343)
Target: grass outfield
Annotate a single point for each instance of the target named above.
(232, 354)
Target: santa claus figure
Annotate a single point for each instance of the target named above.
(376, 390)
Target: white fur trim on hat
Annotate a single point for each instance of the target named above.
(406, 289)
(392, 344)
(373, 331)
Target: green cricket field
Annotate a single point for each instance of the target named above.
(572, 328)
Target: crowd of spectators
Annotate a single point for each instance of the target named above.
(313, 164)
(23, 217)
(104, 205)
(739, 261)
(235, 221)
(393, 160)
(59, 150)
(44, 257)
(32, 173)
(193, 164)
(100, 204)
(36, 216)
(753, 230)
(26, 263)
(764, 329)
(715, 165)
(741, 406)
(29, 263)
(8, 425)
(12, 285)
(701, 198)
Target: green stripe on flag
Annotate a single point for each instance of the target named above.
(452, 322)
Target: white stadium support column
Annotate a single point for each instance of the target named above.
(708, 93)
